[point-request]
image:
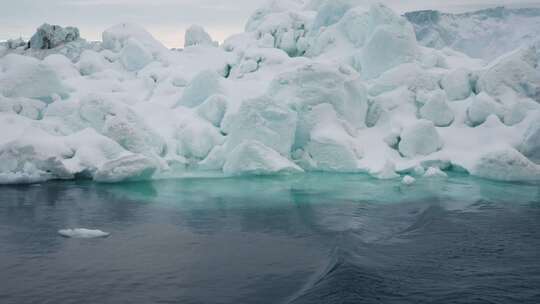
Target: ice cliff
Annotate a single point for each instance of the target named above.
(309, 86)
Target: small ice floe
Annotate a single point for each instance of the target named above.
(82, 233)
(408, 180)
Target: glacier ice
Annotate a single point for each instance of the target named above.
(340, 86)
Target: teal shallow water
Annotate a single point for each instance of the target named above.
(316, 238)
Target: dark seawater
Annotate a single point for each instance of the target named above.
(304, 239)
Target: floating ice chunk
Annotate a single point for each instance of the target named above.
(50, 36)
(204, 85)
(420, 138)
(435, 172)
(133, 167)
(196, 35)
(457, 84)
(481, 107)
(438, 111)
(83, 233)
(254, 158)
(27, 77)
(506, 165)
(134, 55)
(213, 109)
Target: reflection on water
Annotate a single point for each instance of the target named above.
(316, 238)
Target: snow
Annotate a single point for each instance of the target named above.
(83, 233)
(310, 86)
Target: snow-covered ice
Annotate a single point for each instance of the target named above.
(337, 86)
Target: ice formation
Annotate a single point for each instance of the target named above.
(83, 233)
(335, 86)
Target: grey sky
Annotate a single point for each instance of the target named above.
(167, 19)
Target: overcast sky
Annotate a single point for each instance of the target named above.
(167, 19)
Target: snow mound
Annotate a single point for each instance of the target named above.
(83, 233)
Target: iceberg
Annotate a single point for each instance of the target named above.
(309, 86)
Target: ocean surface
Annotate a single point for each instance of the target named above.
(317, 238)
